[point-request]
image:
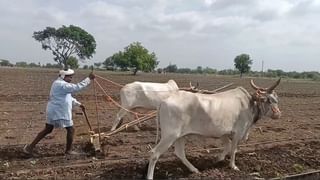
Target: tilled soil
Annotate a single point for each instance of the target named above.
(266, 162)
(275, 148)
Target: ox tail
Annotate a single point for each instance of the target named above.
(157, 123)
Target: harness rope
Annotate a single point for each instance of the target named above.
(96, 102)
(117, 84)
(109, 98)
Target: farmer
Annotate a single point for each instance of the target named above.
(59, 108)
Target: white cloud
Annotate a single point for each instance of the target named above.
(184, 32)
(209, 2)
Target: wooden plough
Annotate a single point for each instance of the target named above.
(95, 138)
(96, 141)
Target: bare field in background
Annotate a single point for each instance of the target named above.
(289, 145)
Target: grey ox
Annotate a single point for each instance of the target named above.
(144, 95)
(227, 115)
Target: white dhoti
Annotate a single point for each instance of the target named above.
(60, 123)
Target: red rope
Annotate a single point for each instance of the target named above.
(116, 103)
(110, 81)
(96, 102)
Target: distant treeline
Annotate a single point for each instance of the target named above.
(313, 75)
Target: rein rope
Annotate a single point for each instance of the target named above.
(257, 99)
(112, 82)
(96, 103)
(109, 98)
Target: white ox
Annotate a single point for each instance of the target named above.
(144, 95)
(227, 115)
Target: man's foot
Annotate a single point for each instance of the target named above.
(29, 151)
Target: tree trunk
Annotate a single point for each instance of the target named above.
(65, 65)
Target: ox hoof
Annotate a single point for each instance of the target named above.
(234, 167)
(195, 170)
(220, 158)
(246, 139)
(136, 128)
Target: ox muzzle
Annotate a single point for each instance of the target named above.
(276, 113)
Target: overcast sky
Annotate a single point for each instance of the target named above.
(284, 34)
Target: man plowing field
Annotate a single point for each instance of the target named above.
(59, 108)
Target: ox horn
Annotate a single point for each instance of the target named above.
(193, 87)
(274, 85)
(254, 86)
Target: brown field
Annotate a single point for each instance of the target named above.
(282, 147)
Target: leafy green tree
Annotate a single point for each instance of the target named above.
(109, 64)
(171, 68)
(209, 70)
(242, 62)
(85, 67)
(120, 61)
(32, 65)
(49, 65)
(159, 70)
(227, 72)
(73, 62)
(136, 57)
(184, 70)
(21, 64)
(97, 65)
(199, 70)
(5, 63)
(66, 41)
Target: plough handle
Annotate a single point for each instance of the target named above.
(85, 115)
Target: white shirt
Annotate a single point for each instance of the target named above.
(60, 100)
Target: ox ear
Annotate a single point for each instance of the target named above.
(271, 88)
(254, 86)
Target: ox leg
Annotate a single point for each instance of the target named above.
(135, 127)
(227, 147)
(234, 145)
(117, 122)
(246, 135)
(179, 150)
(161, 148)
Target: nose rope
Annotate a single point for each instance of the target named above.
(258, 96)
(275, 110)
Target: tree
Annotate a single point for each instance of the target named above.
(33, 65)
(5, 63)
(109, 64)
(199, 70)
(85, 67)
(21, 64)
(209, 70)
(184, 70)
(72, 62)
(171, 68)
(137, 57)
(66, 41)
(97, 65)
(159, 70)
(49, 65)
(120, 61)
(242, 62)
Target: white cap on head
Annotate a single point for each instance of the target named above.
(64, 73)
